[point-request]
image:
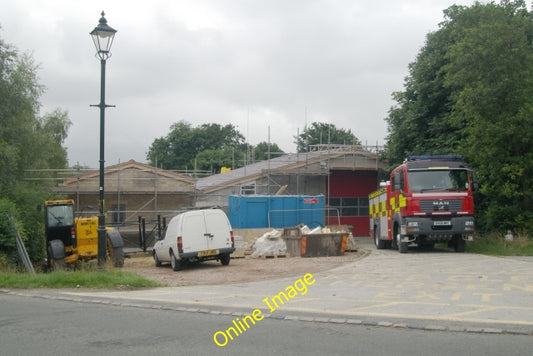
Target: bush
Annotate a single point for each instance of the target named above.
(29, 201)
(496, 244)
(8, 246)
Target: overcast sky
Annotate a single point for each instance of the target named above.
(255, 64)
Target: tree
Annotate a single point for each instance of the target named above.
(214, 136)
(19, 92)
(214, 160)
(323, 133)
(8, 252)
(470, 91)
(492, 65)
(206, 147)
(26, 142)
(51, 132)
(180, 147)
(262, 149)
(421, 123)
(176, 150)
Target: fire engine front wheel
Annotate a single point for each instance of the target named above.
(403, 246)
(460, 244)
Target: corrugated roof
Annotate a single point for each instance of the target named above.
(258, 169)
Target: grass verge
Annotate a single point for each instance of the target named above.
(496, 245)
(110, 279)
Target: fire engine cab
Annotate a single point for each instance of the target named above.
(428, 199)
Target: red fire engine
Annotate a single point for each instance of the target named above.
(428, 199)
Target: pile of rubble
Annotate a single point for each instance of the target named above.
(274, 242)
(270, 244)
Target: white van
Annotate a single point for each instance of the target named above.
(193, 236)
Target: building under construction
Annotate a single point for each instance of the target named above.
(344, 175)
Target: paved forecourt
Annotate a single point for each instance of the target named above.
(437, 287)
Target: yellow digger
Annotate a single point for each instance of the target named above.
(70, 239)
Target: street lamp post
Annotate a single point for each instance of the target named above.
(102, 36)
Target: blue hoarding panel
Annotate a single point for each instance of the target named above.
(260, 211)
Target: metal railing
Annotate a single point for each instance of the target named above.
(21, 248)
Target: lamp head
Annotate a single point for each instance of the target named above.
(103, 36)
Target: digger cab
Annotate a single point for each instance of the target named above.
(60, 231)
(59, 222)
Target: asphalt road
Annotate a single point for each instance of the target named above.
(39, 326)
(424, 302)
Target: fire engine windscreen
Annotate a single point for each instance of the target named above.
(438, 180)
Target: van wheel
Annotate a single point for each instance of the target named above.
(157, 260)
(224, 259)
(174, 263)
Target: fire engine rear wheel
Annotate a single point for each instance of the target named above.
(396, 238)
(380, 244)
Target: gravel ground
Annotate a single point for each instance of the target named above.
(239, 270)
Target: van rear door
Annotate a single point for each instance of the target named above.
(218, 230)
(193, 232)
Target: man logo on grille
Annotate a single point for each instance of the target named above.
(441, 205)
